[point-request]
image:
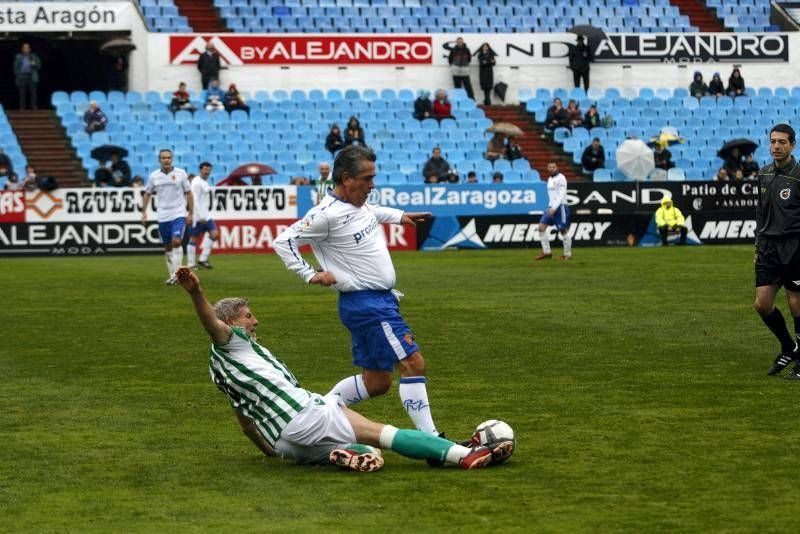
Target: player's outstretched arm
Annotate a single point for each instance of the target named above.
(413, 218)
(220, 332)
(145, 203)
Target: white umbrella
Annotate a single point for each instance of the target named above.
(635, 159)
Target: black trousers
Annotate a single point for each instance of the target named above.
(664, 231)
(26, 87)
(458, 81)
(206, 79)
(487, 97)
(576, 78)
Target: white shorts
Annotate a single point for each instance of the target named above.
(313, 433)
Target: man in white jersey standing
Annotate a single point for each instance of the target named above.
(348, 242)
(283, 419)
(557, 214)
(203, 223)
(173, 205)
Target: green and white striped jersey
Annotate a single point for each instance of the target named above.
(257, 383)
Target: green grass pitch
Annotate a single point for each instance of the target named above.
(635, 380)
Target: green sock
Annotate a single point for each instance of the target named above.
(420, 445)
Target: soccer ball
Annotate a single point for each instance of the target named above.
(492, 431)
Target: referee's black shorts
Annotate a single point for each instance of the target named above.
(778, 263)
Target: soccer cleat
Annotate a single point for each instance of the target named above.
(357, 458)
(783, 359)
(501, 451)
(204, 265)
(544, 257)
(565, 257)
(478, 457)
(172, 280)
(794, 374)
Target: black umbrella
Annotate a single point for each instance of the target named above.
(593, 34)
(103, 152)
(745, 146)
(117, 47)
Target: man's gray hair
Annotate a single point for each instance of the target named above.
(230, 308)
(349, 160)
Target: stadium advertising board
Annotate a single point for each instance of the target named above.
(693, 48)
(66, 16)
(327, 49)
(629, 197)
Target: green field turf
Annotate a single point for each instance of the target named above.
(634, 378)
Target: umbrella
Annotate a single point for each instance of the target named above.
(745, 146)
(117, 47)
(500, 89)
(103, 152)
(506, 128)
(248, 169)
(635, 159)
(665, 139)
(593, 34)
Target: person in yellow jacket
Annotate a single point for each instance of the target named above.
(670, 219)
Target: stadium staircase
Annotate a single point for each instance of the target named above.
(47, 147)
(699, 15)
(534, 144)
(203, 16)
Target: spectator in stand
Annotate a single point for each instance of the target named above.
(6, 167)
(733, 162)
(486, 64)
(698, 87)
(214, 97)
(209, 66)
(118, 75)
(738, 175)
(234, 100)
(580, 57)
(181, 100)
(594, 156)
(716, 88)
(592, 118)
(496, 147)
(120, 170)
(722, 175)
(663, 157)
(735, 84)
(669, 219)
(26, 75)
(497, 178)
(30, 183)
(574, 115)
(513, 150)
(13, 183)
(750, 168)
(423, 108)
(459, 60)
(137, 181)
(334, 141)
(436, 169)
(354, 134)
(556, 115)
(441, 106)
(472, 178)
(94, 118)
(103, 175)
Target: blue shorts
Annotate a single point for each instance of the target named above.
(560, 219)
(171, 230)
(201, 228)
(380, 336)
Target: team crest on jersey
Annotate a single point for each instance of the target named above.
(785, 193)
(409, 338)
(305, 224)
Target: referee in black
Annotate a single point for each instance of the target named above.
(777, 259)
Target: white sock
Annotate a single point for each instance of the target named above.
(386, 438)
(567, 245)
(543, 239)
(177, 257)
(191, 252)
(414, 395)
(456, 453)
(170, 268)
(351, 390)
(208, 244)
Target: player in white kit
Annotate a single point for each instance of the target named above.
(348, 242)
(203, 223)
(173, 205)
(557, 214)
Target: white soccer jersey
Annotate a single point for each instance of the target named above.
(347, 241)
(556, 190)
(201, 193)
(170, 190)
(257, 383)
